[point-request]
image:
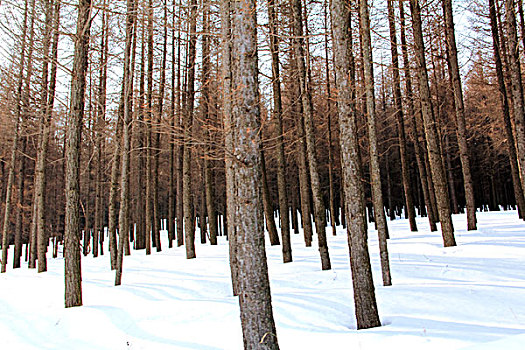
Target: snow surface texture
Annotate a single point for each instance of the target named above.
(471, 296)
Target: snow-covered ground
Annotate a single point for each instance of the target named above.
(471, 296)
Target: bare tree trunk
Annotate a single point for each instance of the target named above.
(375, 175)
(267, 204)
(98, 230)
(150, 218)
(226, 97)
(255, 299)
(126, 140)
(208, 169)
(73, 279)
(405, 171)
(189, 220)
(304, 182)
(20, 209)
(331, 198)
(364, 293)
(511, 149)
(461, 129)
(434, 151)
(319, 210)
(284, 211)
(180, 150)
(516, 84)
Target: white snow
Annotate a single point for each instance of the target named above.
(471, 296)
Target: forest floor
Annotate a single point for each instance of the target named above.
(471, 296)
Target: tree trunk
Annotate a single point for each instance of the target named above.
(511, 149)
(319, 210)
(364, 293)
(375, 175)
(405, 170)
(206, 98)
(331, 198)
(277, 114)
(189, 220)
(255, 299)
(126, 140)
(434, 152)
(73, 279)
(461, 130)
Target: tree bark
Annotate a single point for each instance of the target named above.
(461, 130)
(511, 149)
(418, 139)
(319, 210)
(189, 220)
(255, 299)
(73, 279)
(126, 140)
(405, 170)
(364, 293)
(284, 211)
(375, 176)
(434, 152)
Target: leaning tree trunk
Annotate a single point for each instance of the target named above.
(306, 101)
(364, 293)
(511, 148)
(73, 279)
(255, 299)
(434, 151)
(375, 175)
(461, 130)
(405, 171)
(267, 204)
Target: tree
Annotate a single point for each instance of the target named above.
(461, 130)
(306, 102)
(73, 279)
(375, 170)
(254, 299)
(364, 293)
(434, 149)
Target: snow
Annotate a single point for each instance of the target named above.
(470, 296)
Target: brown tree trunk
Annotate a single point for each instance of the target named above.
(405, 170)
(461, 130)
(511, 149)
(226, 97)
(419, 145)
(189, 220)
(73, 279)
(267, 204)
(208, 169)
(364, 293)
(150, 218)
(317, 197)
(434, 151)
(516, 84)
(255, 299)
(375, 170)
(331, 198)
(277, 114)
(126, 140)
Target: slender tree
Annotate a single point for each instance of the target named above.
(434, 149)
(461, 128)
(364, 292)
(73, 279)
